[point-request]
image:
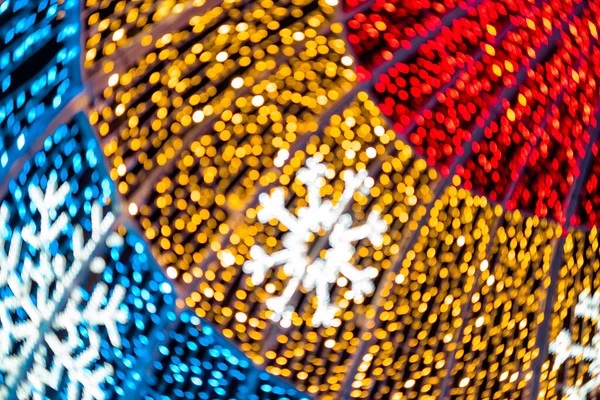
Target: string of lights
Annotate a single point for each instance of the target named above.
(287, 199)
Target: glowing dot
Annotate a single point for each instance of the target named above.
(241, 317)
(330, 343)
(113, 80)
(172, 272)
(118, 35)
(271, 87)
(198, 116)
(464, 382)
(298, 36)
(593, 29)
(222, 56)
(379, 130)
(285, 323)
(227, 259)
(258, 101)
(282, 156)
(237, 83)
(350, 154)
(270, 288)
(484, 265)
(224, 29)
(371, 152)
(332, 3)
(133, 209)
(122, 170)
(460, 241)
(165, 287)
(347, 61)
(479, 321)
(510, 114)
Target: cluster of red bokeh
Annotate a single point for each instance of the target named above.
(501, 93)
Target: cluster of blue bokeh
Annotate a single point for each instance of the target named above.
(166, 353)
(39, 67)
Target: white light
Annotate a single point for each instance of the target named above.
(484, 265)
(133, 209)
(371, 152)
(237, 83)
(460, 241)
(227, 259)
(165, 288)
(198, 116)
(222, 56)
(258, 101)
(347, 61)
(118, 35)
(281, 158)
(241, 317)
(171, 272)
(379, 130)
(113, 80)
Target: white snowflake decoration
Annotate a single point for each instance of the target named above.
(36, 287)
(587, 307)
(84, 378)
(318, 216)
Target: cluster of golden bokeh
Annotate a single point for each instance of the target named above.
(198, 118)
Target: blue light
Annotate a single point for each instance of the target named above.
(25, 104)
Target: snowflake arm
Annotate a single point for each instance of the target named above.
(587, 307)
(80, 367)
(273, 206)
(36, 284)
(8, 261)
(313, 177)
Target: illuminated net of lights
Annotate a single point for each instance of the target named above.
(472, 126)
